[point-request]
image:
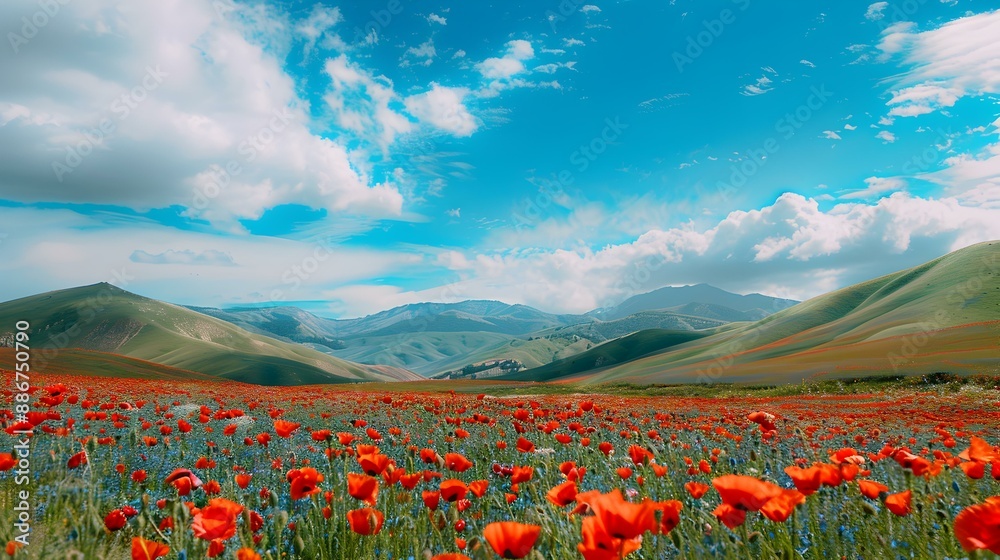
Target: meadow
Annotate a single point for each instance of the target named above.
(133, 468)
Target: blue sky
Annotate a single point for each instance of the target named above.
(349, 157)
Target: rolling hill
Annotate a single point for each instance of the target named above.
(106, 319)
(943, 315)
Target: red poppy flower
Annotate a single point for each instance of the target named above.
(453, 489)
(431, 499)
(7, 462)
(184, 480)
(457, 462)
(362, 487)
(478, 487)
(521, 474)
(143, 549)
(978, 526)
(365, 521)
(871, 489)
(781, 506)
(284, 428)
(730, 516)
(670, 514)
(807, 480)
(247, 554)
(899, 503)
(115, 520)
(217, 520)
(511, 539)
(597, 544)
(620, 518)
(305, 482)
(77, 460)
(745, 492)
(696, 489)
(525, 446)
(562, 494)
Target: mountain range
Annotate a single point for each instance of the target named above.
(438, 338)
(941, 316)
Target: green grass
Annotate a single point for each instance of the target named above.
(610, 353)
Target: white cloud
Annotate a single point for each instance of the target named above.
(922, 99)
(570, 42)
(459, 54)
(505, 72)
(443, 107)
(204, 258)
(807, 63)
(64, 249)
(886, 136)
(958, 59)
(850, 127)
(551, 68)
(320, 20)
(761, 85)
(362, 103)
(424, 53)
(454, 212)
(875, 11)
(831, 135)
(590, 8)
(500, 68)
(215, 93)
(877, 186)
(434, 18)
(790, 248)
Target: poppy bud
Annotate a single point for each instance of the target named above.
(300, 544)
(282, 518)
(272, 499)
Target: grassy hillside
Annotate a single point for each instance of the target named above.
(941, 316)
(75, 361)
(107, 319)
(608, 354)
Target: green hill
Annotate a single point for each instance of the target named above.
(104, 318)
(940, 316)
(608, 354)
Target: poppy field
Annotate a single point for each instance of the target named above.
(126, 468)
